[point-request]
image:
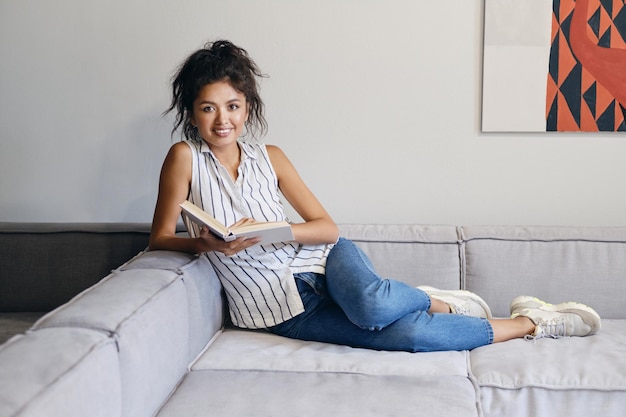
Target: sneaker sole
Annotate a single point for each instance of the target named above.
(457, 293)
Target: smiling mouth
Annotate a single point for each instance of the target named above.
(222, 132)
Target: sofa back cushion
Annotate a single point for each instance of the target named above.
(60, 372)
(553, 263)
(43, 265)
(417, 255)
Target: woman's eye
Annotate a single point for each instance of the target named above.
(234, 106)
(207, 109)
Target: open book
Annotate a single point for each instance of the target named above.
(269, 232)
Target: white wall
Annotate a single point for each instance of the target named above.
(376, 102)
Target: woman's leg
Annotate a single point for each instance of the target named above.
(372, 302)
(325, 321)
(507, 329)
(369, 301)
(418, 331)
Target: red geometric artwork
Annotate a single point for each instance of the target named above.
(586, 89)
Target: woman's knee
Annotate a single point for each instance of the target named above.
(372, 310)
(347, 256)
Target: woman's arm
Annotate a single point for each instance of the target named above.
(174, 185)
(318, 226)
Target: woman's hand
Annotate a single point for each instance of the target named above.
(209, 242)
(245, 220)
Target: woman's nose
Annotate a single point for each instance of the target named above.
(221, 117)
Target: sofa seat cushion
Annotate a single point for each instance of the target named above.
(60, 372)
(569, 376)
(245, 393)
(259, 350)
(255, 373)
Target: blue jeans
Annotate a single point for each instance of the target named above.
(351, 305)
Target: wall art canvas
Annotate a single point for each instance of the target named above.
(554, 65)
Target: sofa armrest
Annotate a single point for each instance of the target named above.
(161, 308)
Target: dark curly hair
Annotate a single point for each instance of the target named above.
(217, 61)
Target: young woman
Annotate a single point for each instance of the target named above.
(317, 287)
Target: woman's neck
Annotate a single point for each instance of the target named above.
(230, 158)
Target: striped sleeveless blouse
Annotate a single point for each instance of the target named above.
(258, 282)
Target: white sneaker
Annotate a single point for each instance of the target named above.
(525, 301)
(560, 320)
(461, 302)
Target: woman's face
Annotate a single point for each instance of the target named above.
(220, 113)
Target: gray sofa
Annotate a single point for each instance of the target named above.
(152, 338)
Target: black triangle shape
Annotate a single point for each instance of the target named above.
(565, 26)
(590, 98)
(622, 126)
(556, 8)
(571, 89)
(606, 121)
(553, 65)
(594, 22)
(552, 116)
(620, 23)
(605, 40)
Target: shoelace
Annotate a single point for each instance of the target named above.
(551, 329)
(462, 309)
